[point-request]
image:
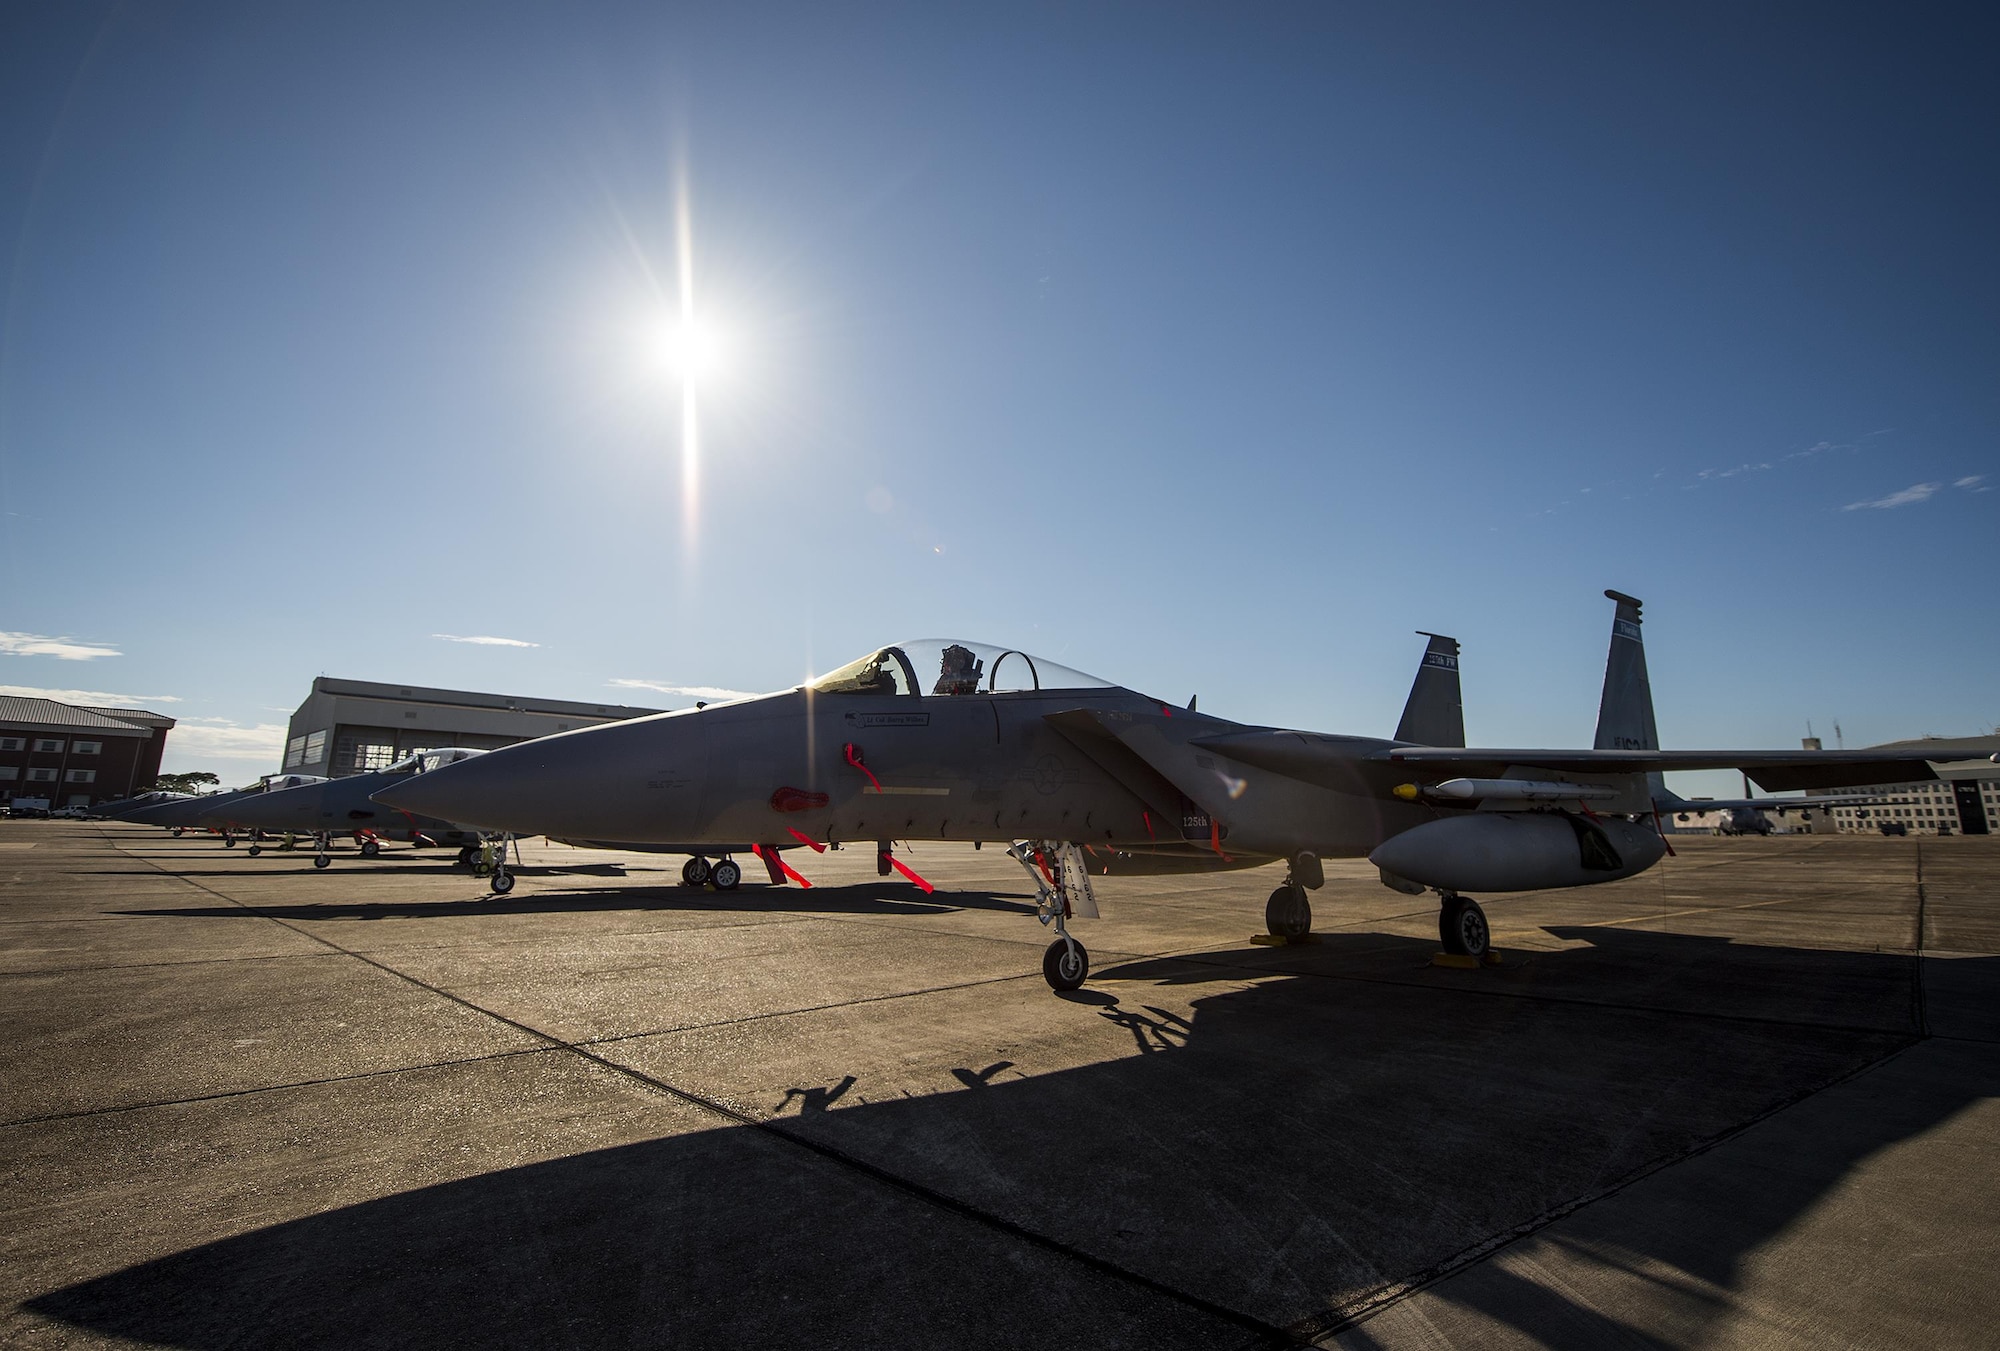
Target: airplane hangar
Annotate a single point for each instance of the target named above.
(354, 726)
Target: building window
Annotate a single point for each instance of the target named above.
(48, 743)
(41, 776)
(295, 752)
(9, 773)
(81, 776)
(87, 748)
(315, 749)
(11, 743)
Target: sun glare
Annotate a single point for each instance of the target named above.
(694, 351)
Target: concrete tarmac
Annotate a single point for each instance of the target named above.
(1747, 1099)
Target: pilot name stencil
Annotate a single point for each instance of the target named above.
(888, 719)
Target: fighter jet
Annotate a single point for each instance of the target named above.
(214, 810)
(1006, 748)
(122, 807)
(323, 808)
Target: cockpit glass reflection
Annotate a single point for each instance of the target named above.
(948, 668)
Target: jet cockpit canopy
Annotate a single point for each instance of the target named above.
(423, 762)
(946, 666)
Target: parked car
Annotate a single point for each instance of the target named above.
(70, 814)
(1892, 827)
(30, 808)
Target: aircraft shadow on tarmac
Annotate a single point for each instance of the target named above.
(1294, 1144)
(885, 899)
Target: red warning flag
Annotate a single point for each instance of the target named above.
(900, 867)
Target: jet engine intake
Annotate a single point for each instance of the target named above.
(1520, 851)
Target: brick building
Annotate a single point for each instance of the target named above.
(74, 756)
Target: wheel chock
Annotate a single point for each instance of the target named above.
(1460, 962)
(1274, 941)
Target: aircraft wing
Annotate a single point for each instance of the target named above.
(1766, 804)
(1774, 771)
(1329, 760)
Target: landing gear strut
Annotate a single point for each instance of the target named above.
(1462, 926)
(322, 858)
(1062, 889)
(502, 881)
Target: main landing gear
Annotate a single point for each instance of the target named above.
(1288, 914)
(494, 854)
(725, 873)
(1062, 891)
(322, 850)
(1462, 927)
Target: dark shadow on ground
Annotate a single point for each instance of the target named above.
(752, 899)
(1291, 1146)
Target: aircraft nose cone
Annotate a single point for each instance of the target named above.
(593, 783)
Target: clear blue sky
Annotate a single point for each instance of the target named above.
(1205, 348)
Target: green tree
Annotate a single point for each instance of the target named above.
(198, 782)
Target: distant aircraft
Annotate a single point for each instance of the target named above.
(323, 808)
(1006, 748)
(125, 806)
(213, 811)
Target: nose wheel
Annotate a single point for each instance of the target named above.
(1065, 966)
(1462, 927)
(694, 872)
(726, 874)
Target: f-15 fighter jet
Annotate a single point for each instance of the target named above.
(215, 811)
(323, 808)
(1003, 747)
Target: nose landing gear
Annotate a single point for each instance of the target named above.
(1062, 890)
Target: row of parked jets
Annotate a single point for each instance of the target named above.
(1072, 776)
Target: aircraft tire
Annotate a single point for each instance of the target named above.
(228, 842)
(370, 848)
(1462, 927)
(255, 850)
(694, 872)
(322, 861)
(465, 853)
(1065, 966)
(1288, 914)
(726, 874)
(501, 883)
(177, 832)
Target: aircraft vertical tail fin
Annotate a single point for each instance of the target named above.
(1434, 716)
(1625, 713)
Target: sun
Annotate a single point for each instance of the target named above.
(694, 350)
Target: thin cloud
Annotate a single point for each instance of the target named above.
(688, 691)
(227, 739)
(63, 649)
(1971, 483)
(90, 698)
(485, 640)
(1916, 492)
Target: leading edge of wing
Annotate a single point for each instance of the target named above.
(1773, 771)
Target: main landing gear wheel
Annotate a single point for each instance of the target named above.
(726, 874)
(1462, 927)
(322, 861)
(1288, 914)
(228, 841)
(370, 848)
(256, 849)
(1065, 965)
(694, 872)
(465, 856)
(502, 883)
